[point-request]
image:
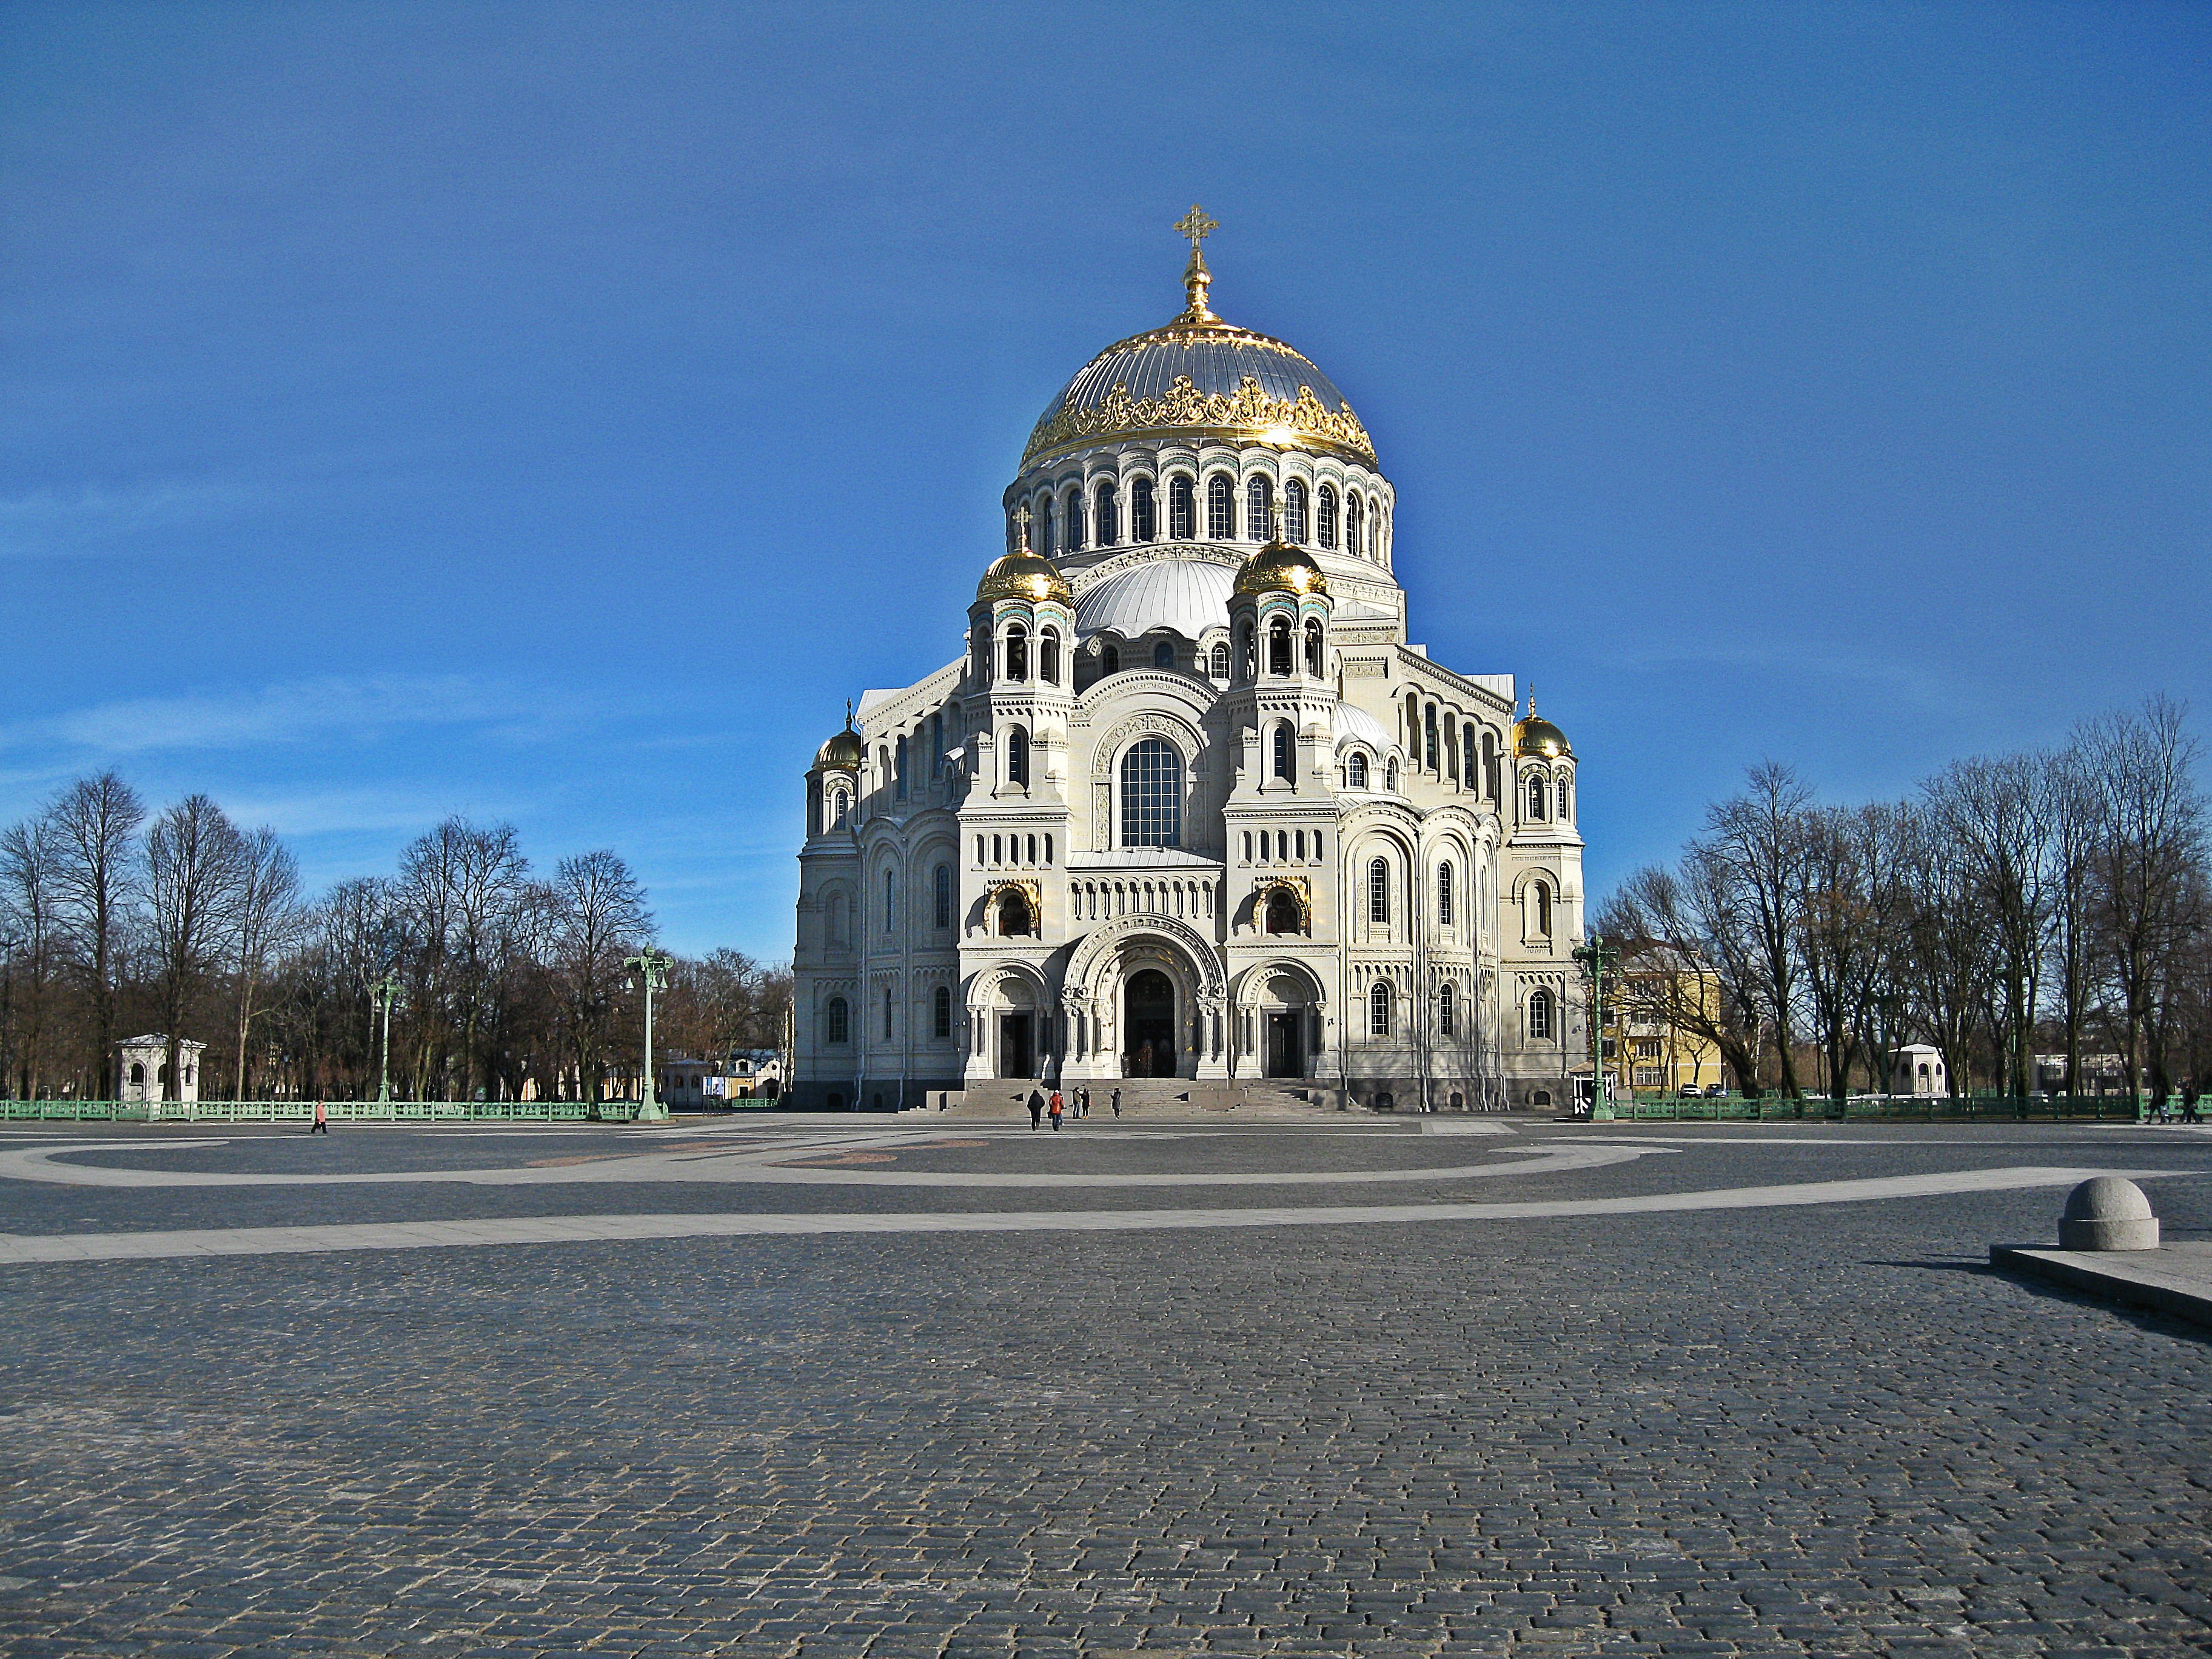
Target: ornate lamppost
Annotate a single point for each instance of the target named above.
(1597, 959)
(386, 993)
(648, 968)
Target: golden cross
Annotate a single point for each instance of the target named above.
(1022, 518)
(1196, 226)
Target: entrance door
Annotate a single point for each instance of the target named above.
(1148, 1025)
(1017, 1053)
(1286, 1044)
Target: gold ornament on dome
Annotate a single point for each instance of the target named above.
(1248, 411)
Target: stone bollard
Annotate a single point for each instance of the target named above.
(2107, 1213)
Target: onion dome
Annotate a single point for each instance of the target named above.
(1532, 736)
(1199, 377)
(1024, 575)
(842, 750)
(1281, 567)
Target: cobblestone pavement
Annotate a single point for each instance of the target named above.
(1816, 1430)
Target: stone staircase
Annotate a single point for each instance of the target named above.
(1242, 1099)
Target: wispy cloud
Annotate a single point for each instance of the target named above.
(50, 524)
(293, 713)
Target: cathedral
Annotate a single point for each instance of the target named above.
(1189, 804)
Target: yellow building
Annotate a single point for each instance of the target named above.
(1657, 1018)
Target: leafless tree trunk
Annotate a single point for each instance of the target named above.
(194, 861)
(96, 825)
(1996, 814)
(602, 917)
(268, 920)
(30, 900)
(1755, 847)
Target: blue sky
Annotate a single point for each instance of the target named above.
(554, 412)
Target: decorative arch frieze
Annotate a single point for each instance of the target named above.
(1252, 982)
(1150, 724)
(1086, 968)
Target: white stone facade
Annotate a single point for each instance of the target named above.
(1188, 802)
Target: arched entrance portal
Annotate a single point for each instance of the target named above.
(1148, 1025)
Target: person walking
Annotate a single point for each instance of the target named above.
(1117, 1103)
(1054, 1109)
(1037, 1110)
(322, 1124)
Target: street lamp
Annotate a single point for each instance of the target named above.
(1597, 959)
(388, 993)
(648, 968)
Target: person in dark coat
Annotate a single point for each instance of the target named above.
(1036, 1107)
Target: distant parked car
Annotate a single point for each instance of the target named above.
(1716, 1091)
(1690, 1092)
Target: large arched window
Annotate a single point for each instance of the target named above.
(1018, 653)
(1259, 507)
(1244, 650)
(887, 1013)
(1536, 796)
(898, 770)
(1072, 516)
(1151, 794)
(1143, 526)
(1294, 511)
(1468, 750)
(1539, 909)
(1444, 895)
(1378, 1009)
(1327, 514)
(836, 933)
(1182, 515)
(1566, 801)
(1017, 756)
(1352, 523)
(1104, 517)
(1284, 750)
(1220, 660)
(1390, 777)
(1044, 517)
(1220, 507)
(1313, 647)
(937, 745)
(1279, 646)
(1490, 765)
(1447, 1015)
(836, 1022)
(942, 912)
(940, 1025)
(1355, 771)
(1539, 1015)
(841, 806)
(1049, 656)
(1378, 890)
(138, 1073)
(1110, 661)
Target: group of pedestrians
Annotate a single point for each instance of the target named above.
(1058, 1106)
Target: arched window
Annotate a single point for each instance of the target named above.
(1103, 516)
(1390, 777)
(898, 768)
(1444, 895)
(1049, 656)
(1355, 771)
(1071, 517)
(1044, 516)
(833, 923)
(940, 1024)
(1446, 1012)
(1412, 728)
(1378, 1009)
(1182, 515)
(1540, 908)
(840, 806)
(1018, 653)
(138, 1073)
(1220, 507)
(1566, 801)
(1466, 750)
(1017, 756)
(1352, 524)
(1244, 650)
(1282, 913)
(1110, 661)
(937, 745)
(1429, 739)
(887, 1013)
(1328, 515)
(1220, 660)
(1014, 919)
(836, 1022)
(1313, 647)
(1490, 765)
(1284, 739)
(1539, 1015)
(942, 915)
(1294, 511)
(1378, 890)
(1259, 508)
(1279, 646)
(882, 765)
(1164, 654)
(888, 915)
(1151, 794)
(1143, 526)
(1536, 795)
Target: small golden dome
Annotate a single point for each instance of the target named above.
(843, 751)
(1532, 736)
(1024, 575)
(1281, 567)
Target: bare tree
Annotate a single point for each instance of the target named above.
(2071, 800)
(30, 901)
(1997, 816)
(96, 878)
(1845, 922)
(1753, 856)
(602, 916)
(194, 858)
(268, 920)
(1699, 938)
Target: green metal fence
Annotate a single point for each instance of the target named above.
(302, 1111)
(1910, 1109)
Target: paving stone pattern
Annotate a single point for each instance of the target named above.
(1794, 1432)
